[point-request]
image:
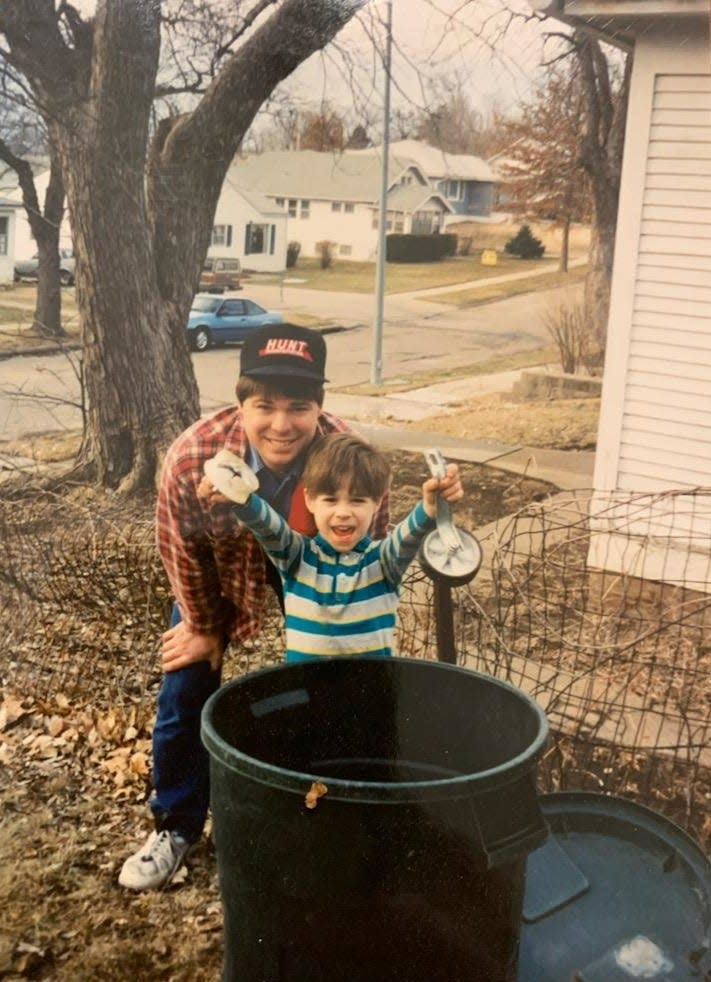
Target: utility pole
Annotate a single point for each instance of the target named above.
(376, 374)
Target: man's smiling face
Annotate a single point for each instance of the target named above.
(279, 428)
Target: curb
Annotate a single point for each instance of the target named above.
(57, 349)
(48, 349)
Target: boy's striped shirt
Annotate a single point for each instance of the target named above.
(337, 603)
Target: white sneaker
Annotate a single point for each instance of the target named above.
(156, 862)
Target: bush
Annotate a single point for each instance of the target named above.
(324, 250)
(572, 332)
(450, 243)
(525, 245)
(292, 254)
(417, 248)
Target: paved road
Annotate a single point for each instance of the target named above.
(418, 336)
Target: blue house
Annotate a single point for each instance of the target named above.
(466, 182)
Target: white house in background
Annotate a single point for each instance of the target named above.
(467, 182)
(8, 228)
(246, 225)
(251, 227)
(655, 425)
(335, 197)
(25, 245)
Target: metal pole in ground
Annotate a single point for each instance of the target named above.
(376, 375)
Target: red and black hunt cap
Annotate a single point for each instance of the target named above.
(284, 350)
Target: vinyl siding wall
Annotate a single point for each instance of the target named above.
(655, 424)
(655, 431)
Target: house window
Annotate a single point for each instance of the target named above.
(399, 226)
(4, 224)
(259, 239)
(425, 222)
(455, 190)
(349, 207)
(221, 235)
(335, 206)
(292, 207)
(279, 202)
(305, 209)
(345, 250)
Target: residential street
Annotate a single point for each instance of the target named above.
(418, 336)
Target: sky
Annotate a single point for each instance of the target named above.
(492, 56)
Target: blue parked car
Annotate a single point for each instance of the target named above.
(213, 320)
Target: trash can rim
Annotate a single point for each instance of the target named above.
(437, 788)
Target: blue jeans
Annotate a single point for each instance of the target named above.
(181, 776)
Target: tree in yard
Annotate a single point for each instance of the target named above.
(143, 197)
(359, 139)
(20, 137)
(452, 124)
(322, 130)
(542, 165)
(606, 98)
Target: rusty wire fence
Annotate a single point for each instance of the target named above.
(597, 606)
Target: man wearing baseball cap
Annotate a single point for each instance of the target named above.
(218, 571)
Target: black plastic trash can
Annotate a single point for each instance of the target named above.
(412, 865)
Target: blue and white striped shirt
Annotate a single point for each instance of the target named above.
(337, 603)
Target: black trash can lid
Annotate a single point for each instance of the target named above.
(618, 892)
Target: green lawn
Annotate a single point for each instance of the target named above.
(496, 291)
(354, 277)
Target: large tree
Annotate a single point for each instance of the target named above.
(542, 163)
(143, 199)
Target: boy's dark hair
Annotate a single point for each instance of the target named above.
(343, 457)
(272, 388)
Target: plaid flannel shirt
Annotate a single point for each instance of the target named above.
(215, 565)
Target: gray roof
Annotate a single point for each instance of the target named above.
(347, 176)
(438, 164)
(258, 201)
(411, 197)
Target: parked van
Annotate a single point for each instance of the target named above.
(220, 273)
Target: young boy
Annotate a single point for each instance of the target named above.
(340, 587)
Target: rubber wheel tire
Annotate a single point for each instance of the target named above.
(65, 277)
(201, 339)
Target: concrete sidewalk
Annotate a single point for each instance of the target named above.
(567, 469)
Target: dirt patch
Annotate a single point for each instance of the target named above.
(559, 424)
(74, 783)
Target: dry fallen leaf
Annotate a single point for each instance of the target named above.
(316, 791)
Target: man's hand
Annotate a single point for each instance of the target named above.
(181, 647)
(450, 487)
(229, 475)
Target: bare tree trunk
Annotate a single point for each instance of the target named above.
(599, 276)
(139, 381)
(48, 309)
(45, 224)
(564, 246)
(603, 146)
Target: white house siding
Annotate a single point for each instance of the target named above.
(7, 243)
(233, 214)
(25, 245)
(655, 425)
(352, 232)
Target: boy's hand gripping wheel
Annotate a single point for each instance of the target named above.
(449, 554)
